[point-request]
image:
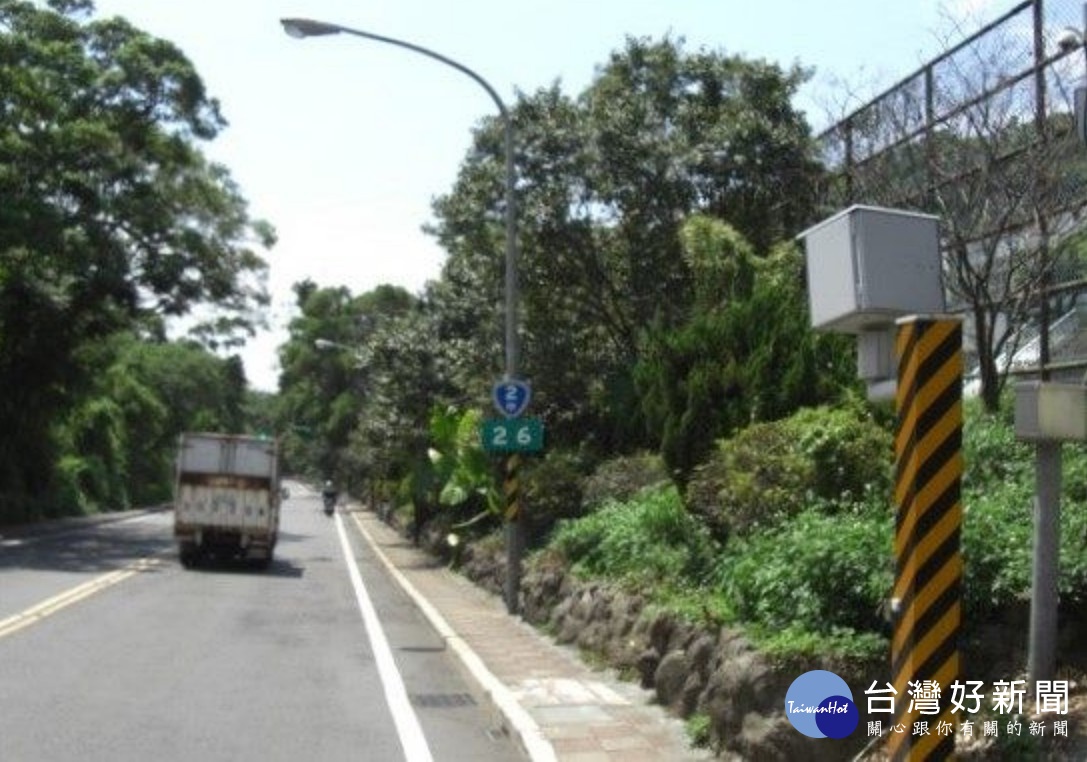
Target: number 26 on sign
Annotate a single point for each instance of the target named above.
(512, 435)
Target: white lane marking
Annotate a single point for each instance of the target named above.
(408, 728)
(50, 606)
(532, 738)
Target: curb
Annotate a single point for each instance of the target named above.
(517, 719)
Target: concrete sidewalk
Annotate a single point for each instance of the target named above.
(548, 699)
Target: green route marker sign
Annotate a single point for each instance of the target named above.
(512, 434)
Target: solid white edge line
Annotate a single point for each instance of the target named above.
(536, 745)
(408, 728)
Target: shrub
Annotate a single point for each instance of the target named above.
(997, 542)
(771, 471)
(998, 515)
(992, 456)
(996, 545)
(649, 538)
(621, 478)
(819, 572)
(552, 491)
(72, 475)
(810, 562)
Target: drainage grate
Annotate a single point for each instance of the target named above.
(442, 700)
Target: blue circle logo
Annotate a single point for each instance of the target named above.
(820, 705)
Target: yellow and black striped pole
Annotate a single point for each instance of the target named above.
(515, 532)
(928, 576)
(511, 487)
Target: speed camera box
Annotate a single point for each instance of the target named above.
(1046, 411)
(868, 266)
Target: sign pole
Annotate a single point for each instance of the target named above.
(511, 397)
(928, 484)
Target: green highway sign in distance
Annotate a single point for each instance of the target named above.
(512, 434)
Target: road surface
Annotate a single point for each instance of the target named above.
(110, 651)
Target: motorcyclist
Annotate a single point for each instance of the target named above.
(329, 492)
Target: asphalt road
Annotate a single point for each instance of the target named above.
(110, 651)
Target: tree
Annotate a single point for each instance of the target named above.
(110, 210)
(983, 137)
(320, 389)
(351, 411)
(745, 355)
(116, 443)
(162, 389)
(604, 181)
(406, 379)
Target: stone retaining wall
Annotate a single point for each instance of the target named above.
(708, 669)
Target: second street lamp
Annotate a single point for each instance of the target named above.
(299, 28)
(358, 353)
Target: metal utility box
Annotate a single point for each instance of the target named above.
(868, 266)
(1050, 412)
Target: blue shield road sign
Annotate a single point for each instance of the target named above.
(511, 397)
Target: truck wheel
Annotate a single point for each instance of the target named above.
(188, 554)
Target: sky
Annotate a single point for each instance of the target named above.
(342, 143)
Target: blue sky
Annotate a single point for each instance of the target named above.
(342, 143)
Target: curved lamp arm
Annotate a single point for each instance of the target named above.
(299, 28)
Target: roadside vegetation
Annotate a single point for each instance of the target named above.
(113, 222)
(701, 442)
(804, 566)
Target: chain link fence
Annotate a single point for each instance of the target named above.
(985, 136)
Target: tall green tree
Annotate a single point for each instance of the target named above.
(117, 441)
(407, 379)
(110, 211)
(604, 180)
(319, 387)
(746, 353)
(350, 407)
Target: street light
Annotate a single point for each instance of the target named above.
(299, 28)
(327, 344)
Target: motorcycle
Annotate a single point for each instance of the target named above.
(330, 504)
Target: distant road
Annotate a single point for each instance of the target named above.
(110, 651)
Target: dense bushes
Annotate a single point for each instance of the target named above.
(998, 525)
(801, 552)
(552, 488)
(824, 572)
(622, 478)
(801, 516)
(649, 539)
(771, 471)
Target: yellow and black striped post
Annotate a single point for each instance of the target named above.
(928, 576)
(515, 532)
(511, 487)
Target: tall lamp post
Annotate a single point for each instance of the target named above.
(296, 27)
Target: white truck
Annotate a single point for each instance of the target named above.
(226, 498)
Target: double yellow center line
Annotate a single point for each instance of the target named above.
(48, 607)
